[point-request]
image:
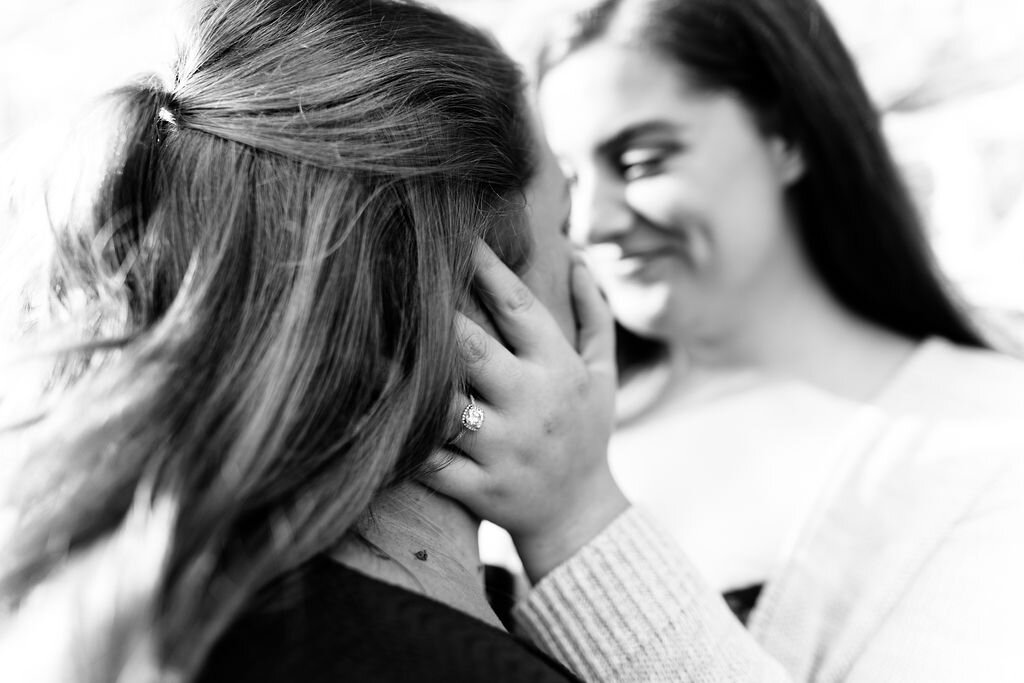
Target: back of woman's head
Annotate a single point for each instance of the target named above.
(783, 58)
(264, 289)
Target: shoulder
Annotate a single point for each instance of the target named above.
(944, 380)
(913, 486)
(919, 465)
(953, 484)
(921, 545)
(326, 622)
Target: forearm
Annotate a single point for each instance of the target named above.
(542, 553)
(628, 607)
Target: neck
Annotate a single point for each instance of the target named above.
(424, 542)
(792, 327)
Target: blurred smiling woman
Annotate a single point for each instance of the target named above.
(805, 407)
(758, 247)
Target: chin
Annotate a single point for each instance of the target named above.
(651, 325)
(645, 312)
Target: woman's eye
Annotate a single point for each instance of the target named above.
(641, 163)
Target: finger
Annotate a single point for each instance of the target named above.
(595, 324)
(491, 367)
(461, 437)
(453, 475)
(522, 320)
(485, 445)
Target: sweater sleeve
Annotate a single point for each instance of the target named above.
(630, 607)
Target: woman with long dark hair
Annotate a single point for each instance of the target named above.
(805, 406)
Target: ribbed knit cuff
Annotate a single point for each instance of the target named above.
(630, 607)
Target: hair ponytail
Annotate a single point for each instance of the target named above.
(264, 288)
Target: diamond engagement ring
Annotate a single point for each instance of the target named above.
(472, 416)
(472, 420)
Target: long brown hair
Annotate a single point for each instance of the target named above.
(265, 289)
(857, 223)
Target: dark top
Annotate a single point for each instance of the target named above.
(326, 622)
(743, 600)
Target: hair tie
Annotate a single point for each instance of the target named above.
(165, 115)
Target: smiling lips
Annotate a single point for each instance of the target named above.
(680, 244)
(635, 262)
(644, 255)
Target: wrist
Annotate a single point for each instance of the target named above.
(560, 539)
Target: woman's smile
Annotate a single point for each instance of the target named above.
(648, 265)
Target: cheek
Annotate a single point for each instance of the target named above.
(663, 200)
(750, 226)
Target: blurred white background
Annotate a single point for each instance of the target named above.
(949, 74)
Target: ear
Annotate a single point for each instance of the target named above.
(788, 159)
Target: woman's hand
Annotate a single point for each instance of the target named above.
(538, 464)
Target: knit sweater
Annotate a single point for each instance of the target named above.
(909, 568)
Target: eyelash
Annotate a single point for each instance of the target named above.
(648, 161)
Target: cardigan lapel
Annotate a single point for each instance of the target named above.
(903, 486)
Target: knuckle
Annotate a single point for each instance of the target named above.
(519, 299)
(518, 379)
(473, 348)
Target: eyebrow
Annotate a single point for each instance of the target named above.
(626, 136)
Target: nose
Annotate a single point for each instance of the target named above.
(600, 212)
